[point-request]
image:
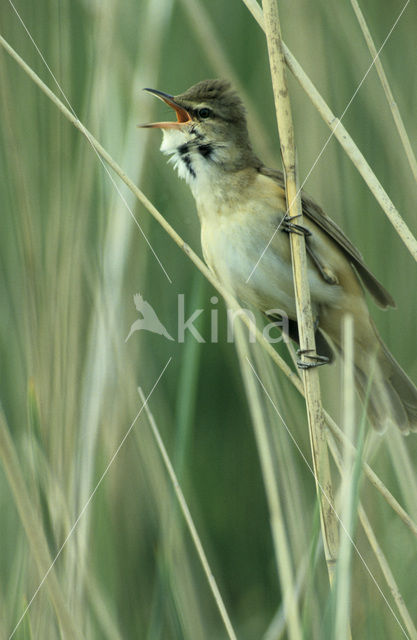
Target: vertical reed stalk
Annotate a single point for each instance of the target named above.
(342, 135)
(188, 519)
(280, 538)
(302, 293)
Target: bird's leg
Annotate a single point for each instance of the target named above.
(317, 361)
(287, 226)
(327, 275)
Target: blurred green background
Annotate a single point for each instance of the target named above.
(72, 258)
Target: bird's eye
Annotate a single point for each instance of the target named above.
(204, 112)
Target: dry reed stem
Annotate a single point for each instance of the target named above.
(379, 554)
(388, 575)
(282, 547)
(347, 490)
(372, 476)
(342, 135)
(387, 89)
(302, 293)
(188, 518)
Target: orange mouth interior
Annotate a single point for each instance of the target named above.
(183, 117)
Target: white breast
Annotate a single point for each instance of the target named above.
(257, 270)
(232, 250)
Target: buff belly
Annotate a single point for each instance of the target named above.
(255, 272)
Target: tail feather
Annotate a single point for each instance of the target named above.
(383, 386)
(401, 384)
(391, 396)
(383, 404)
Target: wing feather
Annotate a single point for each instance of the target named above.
(382, 297)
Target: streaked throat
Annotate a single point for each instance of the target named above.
(196, 159)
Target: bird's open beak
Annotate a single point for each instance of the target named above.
(183, 117)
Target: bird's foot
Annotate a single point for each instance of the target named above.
(316, 360)
(287, 226)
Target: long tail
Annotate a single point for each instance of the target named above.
(388, 392)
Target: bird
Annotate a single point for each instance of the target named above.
(241, 205)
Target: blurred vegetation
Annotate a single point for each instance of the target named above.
(71, 260)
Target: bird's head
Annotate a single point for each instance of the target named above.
(210, 129)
